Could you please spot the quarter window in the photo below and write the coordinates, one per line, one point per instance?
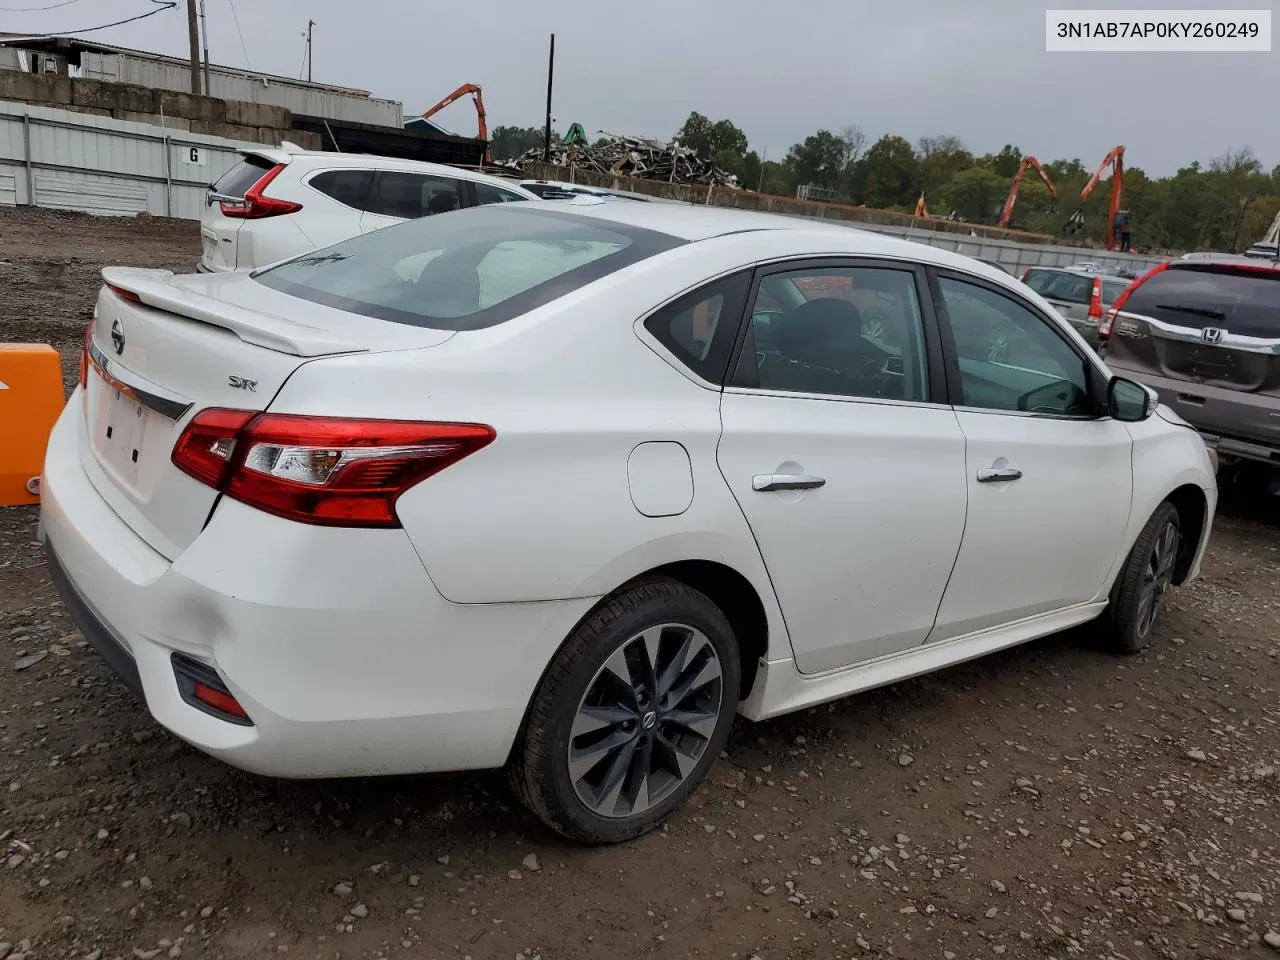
(700, 327)
(839, 331)
(1010, 358)
(348, 187)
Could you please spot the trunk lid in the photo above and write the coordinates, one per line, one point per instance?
(165, 347)
(1206, 323)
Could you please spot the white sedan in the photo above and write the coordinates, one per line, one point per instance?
(563, 488)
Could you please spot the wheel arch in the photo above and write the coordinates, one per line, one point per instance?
(1193, 514)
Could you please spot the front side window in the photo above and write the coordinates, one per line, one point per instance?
(465, 272)
(840, 331)
(1010, 358)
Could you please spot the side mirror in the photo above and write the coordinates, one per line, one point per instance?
(1129, 401)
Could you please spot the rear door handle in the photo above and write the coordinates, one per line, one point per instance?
(998, 474)
(766, 482)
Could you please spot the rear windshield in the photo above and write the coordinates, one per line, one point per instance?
(465, 270)
(1245, 302)
(242, 176)
(1067, 287)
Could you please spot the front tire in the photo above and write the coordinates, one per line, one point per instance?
(1143, 584)
(630, 715)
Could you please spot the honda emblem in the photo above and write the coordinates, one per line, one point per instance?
(1211, 334)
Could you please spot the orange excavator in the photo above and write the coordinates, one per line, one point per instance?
(1007, 211)
(478, 97)
(1117, 235)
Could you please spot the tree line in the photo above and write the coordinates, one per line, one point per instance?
(1223, 205)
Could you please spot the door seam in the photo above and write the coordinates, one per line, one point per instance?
(964, 527)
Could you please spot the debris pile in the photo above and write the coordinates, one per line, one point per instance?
(632, 157)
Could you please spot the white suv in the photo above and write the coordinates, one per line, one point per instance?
(277, 204)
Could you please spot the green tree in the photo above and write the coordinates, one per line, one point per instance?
(506, 143)
(721, 141)
(889, 174)
(973, 193)
(941, 158)
(1005, 163)
(818, 160)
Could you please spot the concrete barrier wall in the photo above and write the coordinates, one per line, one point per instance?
(1014, 249)
(171, 109)
(71, 161)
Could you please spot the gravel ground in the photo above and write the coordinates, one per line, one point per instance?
(1050, 801)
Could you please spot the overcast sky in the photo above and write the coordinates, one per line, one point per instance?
(780, 70)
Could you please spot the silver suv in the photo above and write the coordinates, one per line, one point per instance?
(1080, 294)
(1205, 334)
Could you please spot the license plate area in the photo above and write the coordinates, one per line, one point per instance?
(125, 434)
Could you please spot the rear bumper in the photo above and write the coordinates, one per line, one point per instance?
(336, 643)
(1229, 420)
(114, 653)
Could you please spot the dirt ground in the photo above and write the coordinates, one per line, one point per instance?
(1051, 801)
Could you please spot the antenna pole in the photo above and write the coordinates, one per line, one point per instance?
(310, 24)
(551, 69)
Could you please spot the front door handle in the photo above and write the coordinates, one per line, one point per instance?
(765, 482)
(998, 474)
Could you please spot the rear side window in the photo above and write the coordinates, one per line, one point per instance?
(468, 271)
(413, 195)
(348, 187)
(1245, 302)
(242, 176)
(487, 193)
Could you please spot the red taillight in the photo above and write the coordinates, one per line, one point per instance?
(321, 470)
(255, 206)
(84, 354)
(1023, 278)
(1095, 300)
(205, 448)
(124, 294)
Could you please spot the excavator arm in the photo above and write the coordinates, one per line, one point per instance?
(477, 96)
(1115, 161)
(1007, 212)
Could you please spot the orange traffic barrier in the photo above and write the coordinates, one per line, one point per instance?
(30, 401)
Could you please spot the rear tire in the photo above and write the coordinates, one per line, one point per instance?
(630, 715)
(1143, 584)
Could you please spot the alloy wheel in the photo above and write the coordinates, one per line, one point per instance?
(646, 720)
(1157, 576)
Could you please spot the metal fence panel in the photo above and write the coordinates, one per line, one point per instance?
(73, 161)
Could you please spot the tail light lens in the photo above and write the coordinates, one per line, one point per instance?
(321, 470)
(1095, 301)
(255, 206)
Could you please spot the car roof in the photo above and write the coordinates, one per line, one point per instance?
(1082, 272)
(289, 154)
(1255, 264)
(694, 222)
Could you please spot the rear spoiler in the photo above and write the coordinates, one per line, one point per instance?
(154, 289)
